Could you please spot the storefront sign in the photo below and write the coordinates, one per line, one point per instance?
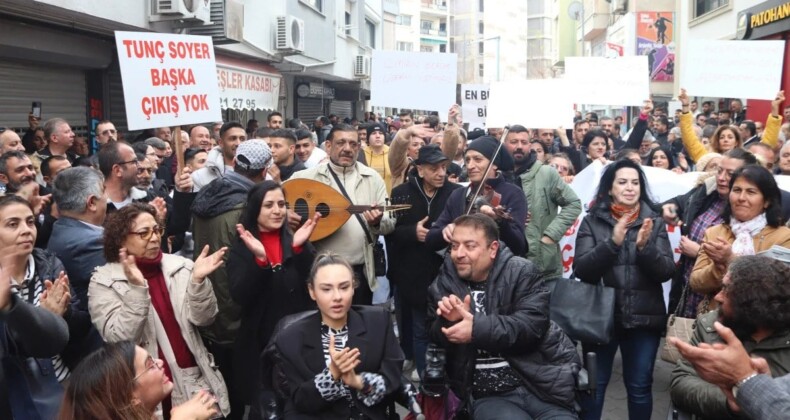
(763, 20)
(315, 90)
(247, 89)
(168, 79)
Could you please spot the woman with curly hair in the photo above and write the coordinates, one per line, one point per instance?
(121, 381)
(157, 301)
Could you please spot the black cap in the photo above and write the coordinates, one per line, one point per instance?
(430, 154)
(477, 132)
(487, 146)
(376, 127)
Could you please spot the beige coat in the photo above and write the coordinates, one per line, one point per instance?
(123, 311)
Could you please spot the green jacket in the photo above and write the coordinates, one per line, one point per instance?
(546, 192)
(692, 394)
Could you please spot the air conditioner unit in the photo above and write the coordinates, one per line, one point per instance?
(195, 11)
(619, 7)
(290, 34)
(227, 22)
(362, 66)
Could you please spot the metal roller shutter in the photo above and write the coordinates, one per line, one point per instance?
(342, 109)
(117, 105)
(308, 109)
(61, 92)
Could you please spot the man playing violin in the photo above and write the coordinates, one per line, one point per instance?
(546, 192)
(498, 199)
(362, 186)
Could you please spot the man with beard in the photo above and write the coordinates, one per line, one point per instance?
(412, 266)
(220, 158)
(545, 192)
(16, 170)
(755, 304)
(364, 186)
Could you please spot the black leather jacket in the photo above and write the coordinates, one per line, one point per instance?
(516, 326)
(636, 275)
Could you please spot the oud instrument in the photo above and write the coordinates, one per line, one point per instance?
(305, 197)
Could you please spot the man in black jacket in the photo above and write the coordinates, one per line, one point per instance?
(490, 310)
(412, 266)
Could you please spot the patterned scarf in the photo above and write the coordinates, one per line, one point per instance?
(744, 232)
(618, 212)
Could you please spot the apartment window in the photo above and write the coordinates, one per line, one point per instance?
(405, 46)
(481, 28)
(481, 48)
(317, 4)
(704, 6)
(480, 7)
(370, 28)
(442, 29)
(443, 48)
(348, 23)
(426, 26)
(426, 48)
(480, 70)
(404, 20)
(536, 7)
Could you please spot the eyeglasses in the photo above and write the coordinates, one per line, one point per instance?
(148, 233)
(150, 363)
(559, 167)
(136, 163)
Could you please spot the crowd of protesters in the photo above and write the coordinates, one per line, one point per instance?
(136, 287)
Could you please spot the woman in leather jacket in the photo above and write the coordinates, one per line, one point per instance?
(624, 243)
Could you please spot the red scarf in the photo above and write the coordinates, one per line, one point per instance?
(618, 212)
(160, 298)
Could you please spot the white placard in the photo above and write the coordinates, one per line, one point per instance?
(536, 103)
(414, 80)
(247, 89)
(733, 69)
(168, 79)
(608, 81)
(474, 101)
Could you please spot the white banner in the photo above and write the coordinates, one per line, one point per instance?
(608, 81)
(733, 69)
(168, 79)
(537, 103)
(247, 89)
(474, 100)
(414, 80)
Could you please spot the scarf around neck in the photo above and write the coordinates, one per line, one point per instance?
(744, 232)
(618, 212)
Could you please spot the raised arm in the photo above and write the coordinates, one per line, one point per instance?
(774, 122)
(691, 142)
(640, 128)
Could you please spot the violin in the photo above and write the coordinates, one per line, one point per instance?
(489, 197)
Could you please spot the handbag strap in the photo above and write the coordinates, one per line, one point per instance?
(682, 302)
(164, 344)
(368, 235)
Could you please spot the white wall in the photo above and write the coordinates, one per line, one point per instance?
(133, 13)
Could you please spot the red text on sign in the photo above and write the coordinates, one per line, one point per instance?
(182, 49)
(157, 105)
(172, 77)
(144, 49)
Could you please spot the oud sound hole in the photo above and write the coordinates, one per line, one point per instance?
(301, 208)
(322, 208)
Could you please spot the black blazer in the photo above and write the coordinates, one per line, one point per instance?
(298, 356)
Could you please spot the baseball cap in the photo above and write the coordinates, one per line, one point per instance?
(253, 154)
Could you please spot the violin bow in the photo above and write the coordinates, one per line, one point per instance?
(488, 168)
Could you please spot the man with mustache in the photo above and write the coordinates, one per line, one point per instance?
(755, 307)
(16, 170)
(364, 186)
(546, 192)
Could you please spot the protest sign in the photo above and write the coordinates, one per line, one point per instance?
(733, 69)
(538, 103)
(608, 81)
(474, 100)
(413, 80)
(167, 79)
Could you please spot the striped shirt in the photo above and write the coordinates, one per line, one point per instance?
(33, 296)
